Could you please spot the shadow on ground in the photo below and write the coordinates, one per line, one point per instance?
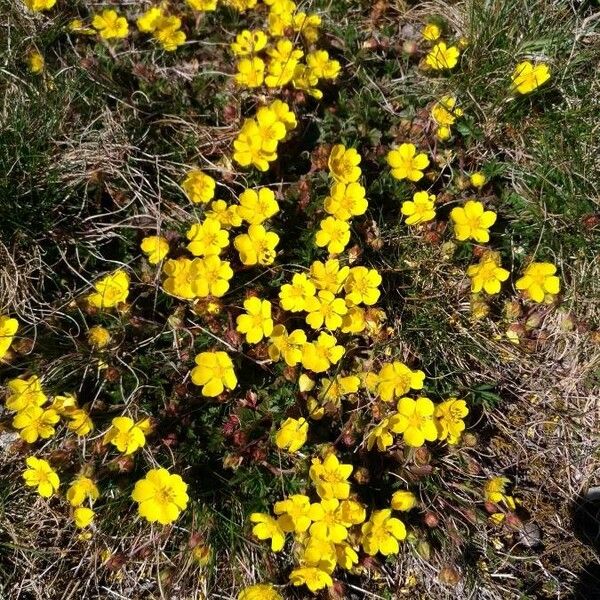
(586, 525)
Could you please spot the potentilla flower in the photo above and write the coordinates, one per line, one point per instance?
(403, 500)
(280, 73)
(127, 435)
(487, 275)
(248, 147)
(168, 33)
(155, 248)
(79, 421)
(539, 281)
(83, 517)
(330, 477)
(329, 276)
(382, 533)
(319, 355)
(148, 21)
(442, 57)
(334, 390)
(286, 345)
(396, 379)
(292, 434)
(161, 496)
(343, 164)
(111, 290)
(207, 238)
(354, 321)
(248, 42)
(204, 5)
(420, 209)
(319, 552)
(256, 323)
(304, 79)
(110, 25)
(346, 201)
(210, 276)
(381, 436)
(199, 187)
(325, 309)
(241, 5)
(307, 25)
(431, 32)
(271, 129)
(471, 221)
(34, 422)
(98, 336)
(362, 286)
(321, 65)
(8, 329)
(262, 591)
(82, 489)
(414, 420)
(267, 528)
(39, 5)
(250, 72)
(333, 234)
(227, 215)
(495, 491)
(63, 403)
(179, 278)
(24, 393)
(41, 475)
(257, 247)
(449, 419)
(478, 179)
(284, 114)
(256, 206)
(406, 163)
(527, 77)
(295, 296)
(35, 62)
(313, 578)
(296, 513)
(214, 372)
(328, 524)
(445, 112)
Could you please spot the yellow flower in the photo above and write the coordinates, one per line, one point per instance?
(445, 112)
(168, 33)
(257, 246)
(478, 179)
(241, 5)
(41, 475)
(262, 591)
(443, 133)
(258, 206)
(248, 147)
(313, 578)
(271, 130)
(494, 491)
(214, 371)
(307, 25)
(414, 420)
(352, 512)
(25, 393)
(199, 187)
(257, 322)
(79, 421)
(442, 57)
(248, 42)
(420, 209)
(155, 248)
(83, 517)
(396, 379)
(381, 436)
(333, 390)
(321, 65)
(207, 238)
(318, 356)
(39, 5)
(35, 62)
(111, 290)
(539, 280)
(403, 500)
(334, 234)
(362, 286)
(487, 275)
(431, 32)
(98, 336)
(267, 528)
(299, 294)
(289, 346)
(406, 163)
(148, 21)
(449, 418)
(346, 556)
(330, 477)
(161, 496)
(328, 275)
(329, 525)
(77, 26)
(179, 277)
(527, 77)
(250, 72)
(82, 489)
(343, 164)
(62, 404)
(127, 435)
(8, 329)
(346, 201)
(110, 25)
(472, 222)
(381, 533)
(319, 552)
(354, 321)
(35, 422)
(202, 4)
(304, 79)
(326, 310)
(284, 114)
(296, 513)
(292, 434)
(210, 276)
(228, 216)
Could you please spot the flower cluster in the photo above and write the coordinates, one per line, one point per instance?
(444, 113)
(165, 29)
